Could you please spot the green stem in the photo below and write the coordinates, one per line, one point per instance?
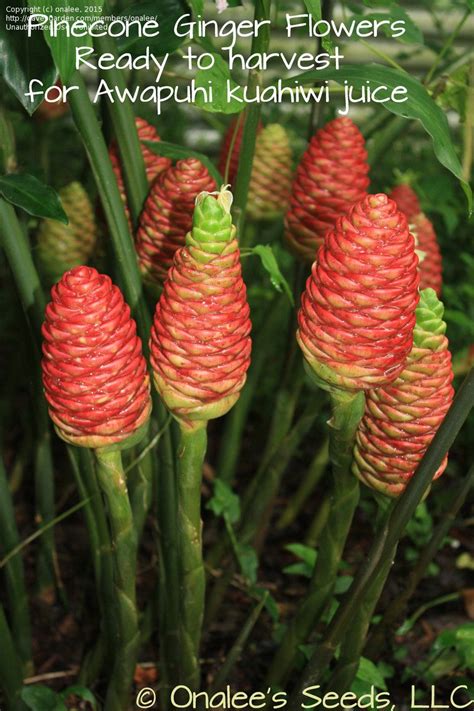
(238, 646)
(257, 508)
(125, 256)
(141, 491)
(234, 425)
(319, 521)
(15, 575)
(353, 644)
(102, 556)
(191, 453)
(169, 603)
(114, 488)
(315, 472)
(397, 607)
(17, 249)
(123, 121)
(446, 47)
(11, 678)
(347, 410)
(382, 548)
(260, 43)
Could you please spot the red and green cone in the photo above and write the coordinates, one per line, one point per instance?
(154, 164)
(357, 313)
(94, 373)
(61, 247)
(200, 343)
(226, 148)
(402, 418)
(332, 175)
(168, 216)
(431, 265)
(272, 172)
(406, 199)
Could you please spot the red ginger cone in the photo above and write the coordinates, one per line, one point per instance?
(226, 147)
(401, 419)
(200, 343)
(94, 373)
(431, 267)
(358, 311)
(270, 184)
(154, 164)
(168, 216)
(406, 199)
(331, 176)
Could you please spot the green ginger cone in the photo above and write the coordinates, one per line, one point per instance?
(62, 247)
(272, 174)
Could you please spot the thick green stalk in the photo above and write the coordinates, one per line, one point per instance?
(260, 43)
(102, 556)
(11, 678)
(347, 410)
(123, 121)
(169, 603)
(395, 610)
(237, 648)
(233, 430)
(382, 548)
(125, 256)
(315, 471)
(353, 644)
(114, 488)
(141, 491)
(17, 249)
(319, 521)
(258, 509)
(14, 574)
(192, 580)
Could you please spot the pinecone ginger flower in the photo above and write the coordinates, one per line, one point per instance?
(402, 418)
(168, 216)
(406, 199)
(94, 373)
(431, 268)
(61, 247)
(154, 164)
(270, 184)
(358, 310)
(200, 344)
(332, 176)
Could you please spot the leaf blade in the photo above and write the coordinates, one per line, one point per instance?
(33, 196)
(419, 106)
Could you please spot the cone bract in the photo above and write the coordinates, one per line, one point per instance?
(272, 173)
(200, 344)
(61, 247)
(358, 310)
(94, 373)
(406, 199)
(154, 164)
(431, 267)
(168, 216)
(402, 418)
(331, 176)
